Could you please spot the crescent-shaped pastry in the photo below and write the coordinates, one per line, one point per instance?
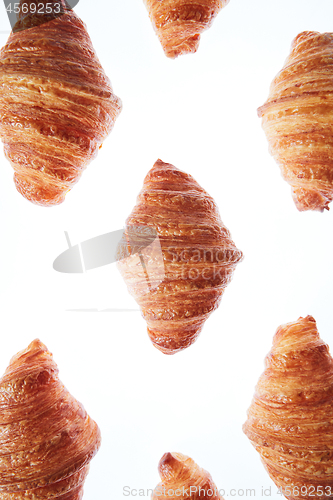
(179, 23)
(46, 437)
(290, 419)
(183, 478)
(56, 103)
(298, 120)
(198, 257)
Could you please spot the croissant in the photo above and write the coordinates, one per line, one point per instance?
(290, 419)
(179, 23)
(46, 437)
(297, 120)
(183, 478)
(198, 257)
(56, 103)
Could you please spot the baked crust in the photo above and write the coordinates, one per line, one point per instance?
(46, 437)
(179, 23)
(290, 418)
(181, 475)
(297, 120)
(56, 105)
(199, 257)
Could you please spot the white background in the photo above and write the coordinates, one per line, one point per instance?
(199, 113)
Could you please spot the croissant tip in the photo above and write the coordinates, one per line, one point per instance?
(186, 46)
(171, 464)
(163, 165)
(164, 171)
(37, 344)
(165, 350)
(160, 163)
(178, 470)
(165, 465)
(310, 199)
(166, 458)
(176, 339)
(36, 349)
(301, 320)
(308, 318)
(290, 336)
(306, 35)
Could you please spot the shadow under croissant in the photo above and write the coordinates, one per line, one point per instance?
(181, 474)
(189, 271)
(47, 439)
(56, 102)
(290, 418)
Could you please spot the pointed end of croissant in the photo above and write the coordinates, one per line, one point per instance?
(310, 39)
(180, 46)
(170, 177)
(308, 199)
(34, 189)
(34, 349)
(37, 345)
(36, 355)
(260, 111)
(181, 471)
(165, 174)
(159, 164)
(296, 335)
(174, 338)
(171, 465)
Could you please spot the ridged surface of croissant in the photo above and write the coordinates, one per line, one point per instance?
(199, 257)
(297, 120)
(290, 418)
(183, 478)
(46, 437)
(56, 104)
(179, 23)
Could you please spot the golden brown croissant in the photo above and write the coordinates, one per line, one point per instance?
(290, 418)
(183, 478)
(198, 257)
(46, 437)
(179, 23)
(56, 103)
(297, 120)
